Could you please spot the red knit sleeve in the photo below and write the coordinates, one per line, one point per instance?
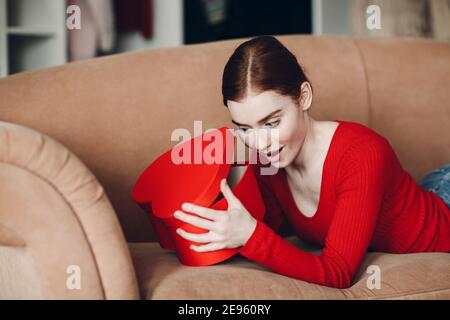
(359, 187)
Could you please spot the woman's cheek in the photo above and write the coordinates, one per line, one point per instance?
(291, 137)
(286, 133)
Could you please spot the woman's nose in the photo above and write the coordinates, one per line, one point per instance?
(260, 140)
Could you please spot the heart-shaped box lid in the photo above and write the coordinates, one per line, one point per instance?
(189, 172)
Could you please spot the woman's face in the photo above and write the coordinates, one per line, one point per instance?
(273, 124)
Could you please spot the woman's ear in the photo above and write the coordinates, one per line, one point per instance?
(305, 99)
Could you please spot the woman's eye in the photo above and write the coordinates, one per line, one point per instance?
(273, 124)
(243, 129)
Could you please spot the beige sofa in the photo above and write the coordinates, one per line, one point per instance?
(74, 139)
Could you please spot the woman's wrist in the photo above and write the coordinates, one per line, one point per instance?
(250, 230)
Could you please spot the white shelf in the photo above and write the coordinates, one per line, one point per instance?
(34, 12)
(32, 35)
(4, 70)
(32, 31)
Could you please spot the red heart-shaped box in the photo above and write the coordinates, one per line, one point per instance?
(167, 183)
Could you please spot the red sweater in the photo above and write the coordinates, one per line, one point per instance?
(368, 202)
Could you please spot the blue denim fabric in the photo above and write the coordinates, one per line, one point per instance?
(438, 182)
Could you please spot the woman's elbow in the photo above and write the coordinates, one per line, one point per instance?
(340, 280)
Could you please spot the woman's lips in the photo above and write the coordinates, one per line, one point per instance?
(273, 154)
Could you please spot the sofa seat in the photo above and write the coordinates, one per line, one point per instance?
(408, 276)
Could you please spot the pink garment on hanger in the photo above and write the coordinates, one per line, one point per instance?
(97, 29)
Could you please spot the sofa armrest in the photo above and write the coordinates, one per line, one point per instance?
(58, 228)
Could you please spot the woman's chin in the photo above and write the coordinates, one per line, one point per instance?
(281, 160)
(281, 165)
(278, 163)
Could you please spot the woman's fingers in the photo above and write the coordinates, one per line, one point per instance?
(213, 246)
(205, 212)
(196, 221)
(197, 237)
(228, 194)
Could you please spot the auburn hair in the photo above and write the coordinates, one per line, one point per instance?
(260, 64)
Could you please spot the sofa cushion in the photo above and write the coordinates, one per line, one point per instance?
(403, 276)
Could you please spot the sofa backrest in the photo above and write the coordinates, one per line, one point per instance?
(117, 112)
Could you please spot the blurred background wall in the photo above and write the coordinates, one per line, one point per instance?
(35, 34)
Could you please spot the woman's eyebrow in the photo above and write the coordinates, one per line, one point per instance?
(260, 121)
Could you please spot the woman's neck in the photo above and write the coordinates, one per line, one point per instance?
(312, 147)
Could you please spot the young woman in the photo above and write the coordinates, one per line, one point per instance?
(339, 183)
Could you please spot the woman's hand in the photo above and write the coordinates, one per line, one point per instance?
(227, 229)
